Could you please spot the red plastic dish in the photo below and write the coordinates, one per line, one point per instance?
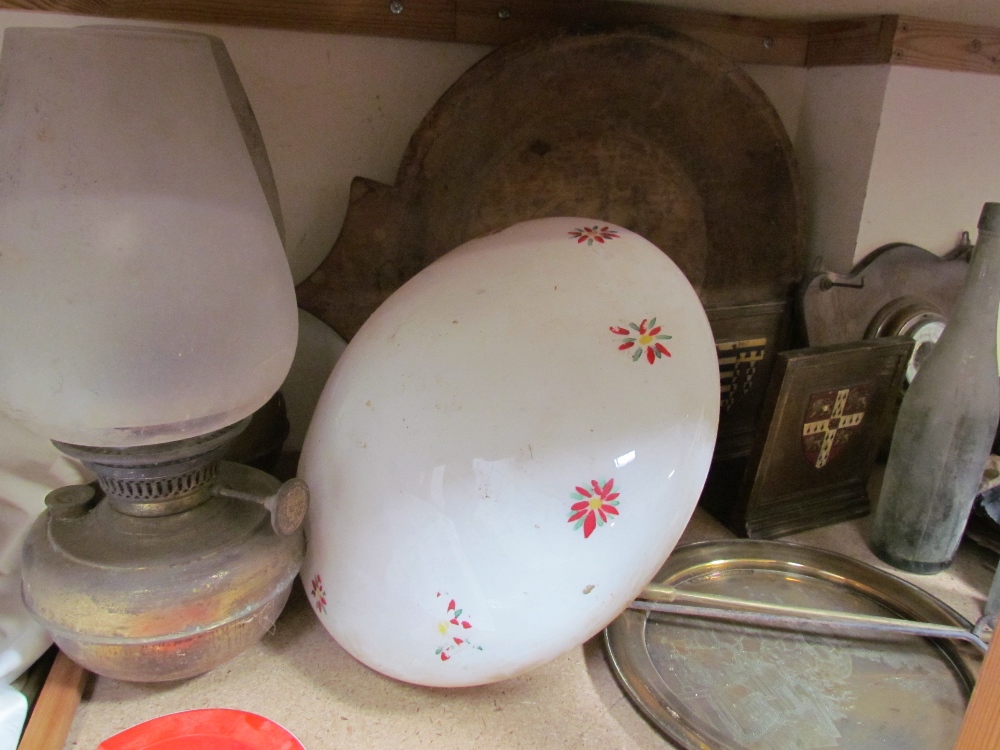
(205, 729)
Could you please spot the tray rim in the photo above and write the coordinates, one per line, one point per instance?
(628, 630)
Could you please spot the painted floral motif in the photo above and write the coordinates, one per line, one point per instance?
(593, 234)
(318, 594)
(455, 629)
(646, 336)
(594, 506)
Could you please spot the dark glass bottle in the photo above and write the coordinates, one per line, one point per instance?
(946, 425)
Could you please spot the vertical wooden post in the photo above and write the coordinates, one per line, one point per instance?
(981, 727)
(53, 714)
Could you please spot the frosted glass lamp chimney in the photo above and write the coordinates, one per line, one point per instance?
(146, 295)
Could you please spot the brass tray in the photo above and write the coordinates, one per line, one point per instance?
(711, 685)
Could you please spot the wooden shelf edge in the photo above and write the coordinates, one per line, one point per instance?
(488, 22)
(741, 38)
(432, 20)
(868, 40)
(948, 46)
(904, 40)
(852, 41)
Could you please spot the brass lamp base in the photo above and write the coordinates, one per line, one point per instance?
(174, 563)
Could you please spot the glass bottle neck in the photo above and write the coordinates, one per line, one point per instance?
(981, 294)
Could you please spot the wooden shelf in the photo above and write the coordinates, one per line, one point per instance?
(743, 39)
(950, 46)
(418, 19)
(904, 40)
(854, 41)
(871, 40)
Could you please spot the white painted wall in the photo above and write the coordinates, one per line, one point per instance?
(333, 107)
(896, 154)
(840, 117)
(936, 159)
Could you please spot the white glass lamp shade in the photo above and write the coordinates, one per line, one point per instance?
(507, 451)
(146, 294)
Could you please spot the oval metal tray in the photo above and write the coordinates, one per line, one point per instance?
(711, 685)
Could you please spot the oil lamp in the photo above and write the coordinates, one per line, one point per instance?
(148, 311)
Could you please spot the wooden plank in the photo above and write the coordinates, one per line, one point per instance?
(742, 39)
(419, 19)
(854, 41)
(491, 22)
(904, 40)
(53, 714)
(981, 726)
(949, 46)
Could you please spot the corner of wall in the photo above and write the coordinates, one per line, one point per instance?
(835, 144)
(936, 159)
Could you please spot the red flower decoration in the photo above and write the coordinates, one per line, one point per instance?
(593, 234)
(454, 615)
(594, 506)
(645, 336)
(318, 593)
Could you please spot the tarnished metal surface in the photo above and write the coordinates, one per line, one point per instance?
(159, 594)
(728, 686)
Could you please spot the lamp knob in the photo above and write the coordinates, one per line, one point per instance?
(288, 506)
(72, 501)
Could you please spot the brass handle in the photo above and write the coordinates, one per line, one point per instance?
(659, 598)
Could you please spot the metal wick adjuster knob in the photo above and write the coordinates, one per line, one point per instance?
(287, 505)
